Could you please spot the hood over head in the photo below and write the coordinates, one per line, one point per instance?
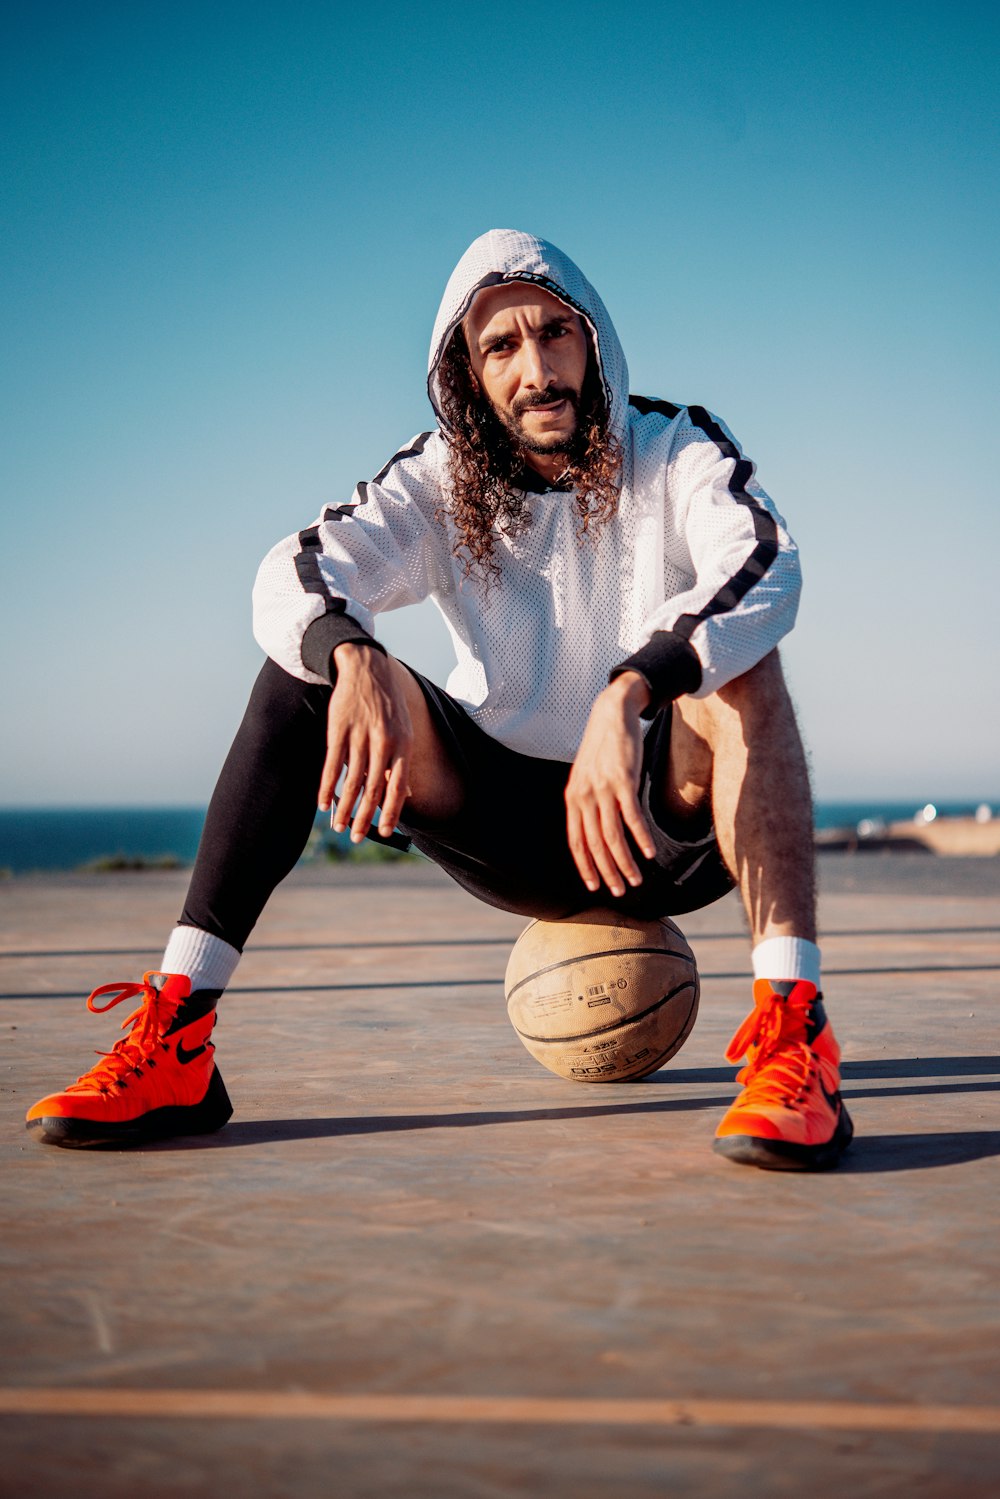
(505, 255)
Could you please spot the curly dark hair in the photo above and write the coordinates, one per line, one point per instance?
(486, 466)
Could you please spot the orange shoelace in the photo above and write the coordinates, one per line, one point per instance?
(128, 1054)
(780, 1064)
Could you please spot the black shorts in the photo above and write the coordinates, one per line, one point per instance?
(508, 844)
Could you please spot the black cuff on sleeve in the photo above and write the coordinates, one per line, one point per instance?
(668, 665)
(324, 635)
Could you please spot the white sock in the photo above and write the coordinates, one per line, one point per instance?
(206, 960)
(786, 958)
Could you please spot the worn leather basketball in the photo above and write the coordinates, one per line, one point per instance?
(601, 997)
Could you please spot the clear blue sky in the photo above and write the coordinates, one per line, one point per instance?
(229, 228)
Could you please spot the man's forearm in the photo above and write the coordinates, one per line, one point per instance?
(632, 689)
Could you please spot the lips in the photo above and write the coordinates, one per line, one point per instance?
(547, 403)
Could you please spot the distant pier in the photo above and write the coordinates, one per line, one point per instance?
(966, 837)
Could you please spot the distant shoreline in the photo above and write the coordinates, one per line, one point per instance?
(109, 839)
(951, 837)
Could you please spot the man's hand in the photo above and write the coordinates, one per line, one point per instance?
(369, 733)
(601, 794)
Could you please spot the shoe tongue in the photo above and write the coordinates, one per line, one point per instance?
(784, 1023)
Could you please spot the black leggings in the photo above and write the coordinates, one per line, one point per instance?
(264, 806)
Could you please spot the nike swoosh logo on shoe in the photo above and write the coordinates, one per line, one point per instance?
(184, 1056)
(833, 1099)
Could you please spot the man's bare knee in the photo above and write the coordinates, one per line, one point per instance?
(435, 788)
(757, 688)
(712, 727)
(689, 774)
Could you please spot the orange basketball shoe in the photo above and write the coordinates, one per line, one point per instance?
(790, 1116)
(159, 1080)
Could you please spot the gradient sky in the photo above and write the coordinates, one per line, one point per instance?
(229, 227)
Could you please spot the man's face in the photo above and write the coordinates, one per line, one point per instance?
(529, 356)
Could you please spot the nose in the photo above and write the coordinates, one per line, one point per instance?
(536, 369)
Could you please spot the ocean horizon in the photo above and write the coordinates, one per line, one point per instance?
(50, 839)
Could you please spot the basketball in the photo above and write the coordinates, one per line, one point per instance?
(602, 997)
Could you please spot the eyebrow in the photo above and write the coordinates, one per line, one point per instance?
(558, 320)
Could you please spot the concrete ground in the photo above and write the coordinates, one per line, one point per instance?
(417, 1264)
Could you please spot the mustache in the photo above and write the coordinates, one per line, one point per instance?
(543, 398)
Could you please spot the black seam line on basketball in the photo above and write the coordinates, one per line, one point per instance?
(675, 1045)
(646, 404)
(611, 952)
(612, 1024)
(765, 530)
(668, 1051)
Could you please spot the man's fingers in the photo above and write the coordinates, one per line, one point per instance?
(354, 779)
(374, 783)
(617, 814)
(609, 813)
(328, 781)
(597, 839)
(637, 825)
(578, 848)
(396, 791)
(336, 754)
(599, 850)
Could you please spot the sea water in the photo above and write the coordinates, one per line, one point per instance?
(70, 838)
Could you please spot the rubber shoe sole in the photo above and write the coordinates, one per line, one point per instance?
(785, 1155)
(202, 1118)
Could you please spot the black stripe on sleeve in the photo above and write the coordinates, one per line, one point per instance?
(645, 404)
(311, 548)
(307, 567)
(765, 530)
(334, 626)
(417, 446)
(339, 512)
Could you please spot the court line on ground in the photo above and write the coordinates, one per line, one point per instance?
(376, 944)
(513, 1410)
(369, 985)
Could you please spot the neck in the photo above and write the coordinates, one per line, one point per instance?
(551, 466)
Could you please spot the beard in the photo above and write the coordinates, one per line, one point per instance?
(558, 442)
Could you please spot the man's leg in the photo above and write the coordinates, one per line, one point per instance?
(739, 750)
(264, 804)
(161, 1079)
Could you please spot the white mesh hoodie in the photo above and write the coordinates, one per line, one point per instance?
(691, 583)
